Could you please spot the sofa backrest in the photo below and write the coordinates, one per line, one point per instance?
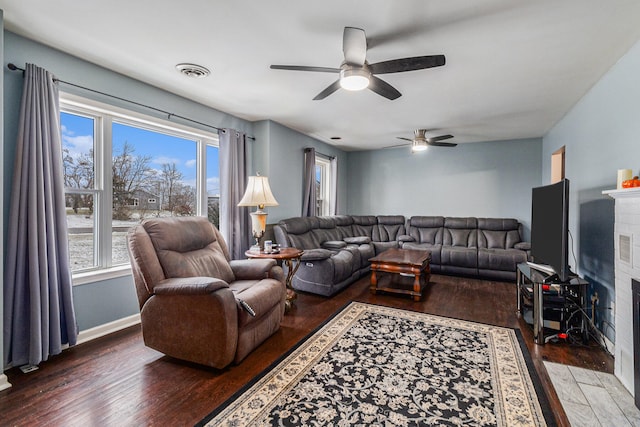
(296, 232)
(426, 229)
(460, 232)
(325, 230)
(388, 228)
(363, 225)
(499, 233)
(344, 225)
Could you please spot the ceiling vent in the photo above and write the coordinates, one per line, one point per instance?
(193, 70)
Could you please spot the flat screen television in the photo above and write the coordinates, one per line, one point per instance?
(550, 227)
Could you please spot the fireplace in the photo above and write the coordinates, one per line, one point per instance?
(627, 291)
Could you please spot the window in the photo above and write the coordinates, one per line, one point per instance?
(121, 167)
(323, 186)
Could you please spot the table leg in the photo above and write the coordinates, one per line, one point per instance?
(538, 313)
(292, 266)
(417, 294)
(374, 282)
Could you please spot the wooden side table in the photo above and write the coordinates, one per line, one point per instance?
(291, 257)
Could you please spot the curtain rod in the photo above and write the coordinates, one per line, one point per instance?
(320, 154)
(14, 67)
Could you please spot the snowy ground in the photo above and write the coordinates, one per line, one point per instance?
(81, 240)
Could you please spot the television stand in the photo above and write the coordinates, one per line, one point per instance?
(550, 303)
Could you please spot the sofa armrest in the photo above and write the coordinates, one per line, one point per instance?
(189, 286)
(252, 268)
(334, 244)
(316, 254)
(524, 246)
(358, 240)
(405, 238)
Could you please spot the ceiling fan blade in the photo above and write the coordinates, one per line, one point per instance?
(407, 64)
(441, 144)
(354, 46)
(405, 139)
(396, 146)
(383, 88)
(305, 68)
(328, 91)
(439, 138)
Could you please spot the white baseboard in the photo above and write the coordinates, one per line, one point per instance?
(107, 328)
(4, 382)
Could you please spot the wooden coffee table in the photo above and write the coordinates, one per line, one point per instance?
(401, 263)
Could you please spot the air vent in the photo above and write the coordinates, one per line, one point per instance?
(624, 245)
(193, 70)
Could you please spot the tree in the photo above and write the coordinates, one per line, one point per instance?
(78, 174)
(130, 174)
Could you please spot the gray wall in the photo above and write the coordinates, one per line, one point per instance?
(279, 154)
(601, 135)
(489, 179)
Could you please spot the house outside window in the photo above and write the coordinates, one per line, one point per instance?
(121, 167)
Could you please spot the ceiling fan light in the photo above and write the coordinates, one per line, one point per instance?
(354, 79)
(418, 145)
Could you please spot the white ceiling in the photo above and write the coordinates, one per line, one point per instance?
(514, 67)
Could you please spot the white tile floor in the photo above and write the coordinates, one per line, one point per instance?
(591, 398)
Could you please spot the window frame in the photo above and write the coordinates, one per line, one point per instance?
(323, 196)
(104, 115)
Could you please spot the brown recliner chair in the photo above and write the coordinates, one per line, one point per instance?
(195, 303)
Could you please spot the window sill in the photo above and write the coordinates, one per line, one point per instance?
(99, 275)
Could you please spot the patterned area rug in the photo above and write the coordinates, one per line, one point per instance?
(373, 365)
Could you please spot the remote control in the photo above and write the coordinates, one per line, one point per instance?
(247, 307)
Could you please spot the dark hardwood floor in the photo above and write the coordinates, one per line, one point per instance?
(117, 381)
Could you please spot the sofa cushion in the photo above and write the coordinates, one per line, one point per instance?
(500, 259)
(460, 232)
(358, 240)
(496, 233)
(363, 225)
(389, 228)
(459, 256)
(334, 244)
(316, 254)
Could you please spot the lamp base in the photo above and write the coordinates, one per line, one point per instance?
(254, 249)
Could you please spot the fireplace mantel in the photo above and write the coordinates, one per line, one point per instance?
(625, 192)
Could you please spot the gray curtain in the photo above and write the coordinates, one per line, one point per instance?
(333, 199)
(234, 221)
(309, 199)
(38, 302)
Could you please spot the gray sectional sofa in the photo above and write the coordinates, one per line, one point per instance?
(337, 249)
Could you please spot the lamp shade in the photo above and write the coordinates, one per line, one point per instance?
(258, 193)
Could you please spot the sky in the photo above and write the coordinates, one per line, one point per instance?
(77, 137)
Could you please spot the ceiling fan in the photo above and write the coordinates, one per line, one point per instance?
(420, 142)
(357, 74)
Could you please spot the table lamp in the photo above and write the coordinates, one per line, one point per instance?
(258, 194)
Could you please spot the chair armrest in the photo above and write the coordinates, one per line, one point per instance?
(189, 286)
(252, 268)
(405, 238)
(316, 254)
(334, 244)
(358, 240)
(524, 246)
